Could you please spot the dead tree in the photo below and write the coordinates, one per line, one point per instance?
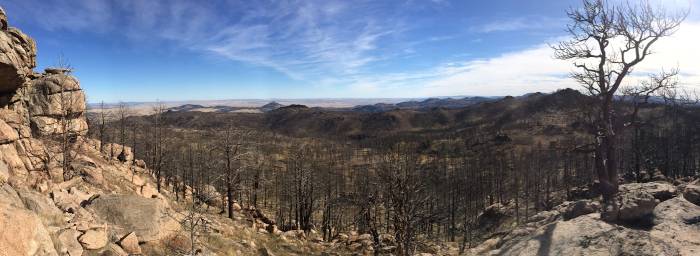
(404, 186)
(122, 114)
(70, 109)
(232, 153)
(157, 137)
(607, 41)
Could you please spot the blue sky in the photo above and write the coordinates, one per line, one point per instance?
(138, 50)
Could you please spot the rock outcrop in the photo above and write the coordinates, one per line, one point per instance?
(673, 230)
(23, 232)
(692, 193)
(150, 218)
(17, 56)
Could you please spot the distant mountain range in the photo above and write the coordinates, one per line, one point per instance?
(425, 104)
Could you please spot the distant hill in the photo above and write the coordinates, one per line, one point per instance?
(545, 114)
(425, 104)
(535, 118)
(271, 106)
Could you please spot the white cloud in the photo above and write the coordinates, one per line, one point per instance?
(532, 69)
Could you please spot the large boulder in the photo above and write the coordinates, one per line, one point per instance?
(635, 205)
(585, 235)
(211, 196)
(22, 232)
(635, 202)
(491, 216)
(572, 210)
(659, 190)
(150, 218)
(677, 222)
(692, 193)
(67, 242)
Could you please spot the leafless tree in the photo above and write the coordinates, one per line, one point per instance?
(232, 150)
(608, 41)
(404, 186)
(158, 140)
(122, 114)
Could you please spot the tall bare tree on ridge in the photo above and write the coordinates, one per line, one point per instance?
(607, 41)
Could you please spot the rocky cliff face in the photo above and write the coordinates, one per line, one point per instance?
(34, 108)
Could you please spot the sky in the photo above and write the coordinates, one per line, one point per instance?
(174, 50)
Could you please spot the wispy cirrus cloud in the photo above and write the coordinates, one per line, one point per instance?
(302, 39)
(519, 24)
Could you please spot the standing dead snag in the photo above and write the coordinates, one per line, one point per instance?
(158, 138)
(608, 41)
(232, 154)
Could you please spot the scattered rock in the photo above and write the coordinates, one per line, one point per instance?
(543, 217)
(113, 250)
(272, 229)
(263, 251)
(491, 216)
(578, 208)
(94, 239)
(692, 194)
(148, 191)
(364, 237)
(355, 247)
(130, 244)
(140, 163)
(67, 243)
(294, 234)
(69, 200)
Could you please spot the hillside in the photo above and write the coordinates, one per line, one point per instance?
(539, 114)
